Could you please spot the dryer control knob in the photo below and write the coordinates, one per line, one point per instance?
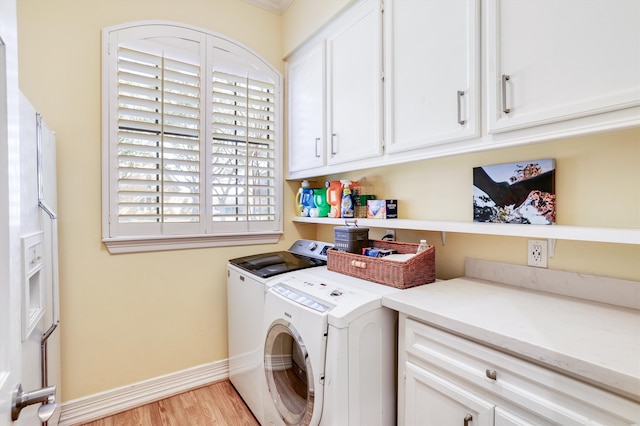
(312, 246)
(336, 293)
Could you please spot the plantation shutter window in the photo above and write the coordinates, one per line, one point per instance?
(243, 144)
(158, 138)
(192, 139)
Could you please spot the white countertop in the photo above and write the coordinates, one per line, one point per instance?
(596, 342)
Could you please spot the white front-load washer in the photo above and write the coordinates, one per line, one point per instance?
(329, 351)
(247, 280)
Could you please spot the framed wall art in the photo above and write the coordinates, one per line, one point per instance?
(522, 192)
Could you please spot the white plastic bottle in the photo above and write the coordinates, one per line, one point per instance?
(422, 246)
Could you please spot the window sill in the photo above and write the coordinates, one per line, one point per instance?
(141, 244)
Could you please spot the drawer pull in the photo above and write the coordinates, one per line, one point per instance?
(505, 78)
(460, 95)
(491, 374)
(468, 418)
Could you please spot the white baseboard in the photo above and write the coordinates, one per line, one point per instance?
(102, 404)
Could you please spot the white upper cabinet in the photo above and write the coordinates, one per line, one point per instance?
(554, 60)
(354, 85)
(432, 72)
(334, 94)
(306, 109)
(459, 76)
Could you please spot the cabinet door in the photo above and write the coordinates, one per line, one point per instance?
(431, 400)
(552, 60)
(506, 418)
(306, 107)
(354, 55)
(431, 72)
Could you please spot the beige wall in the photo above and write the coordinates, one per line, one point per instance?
(596, 185)
(305, 17)
(127, 318)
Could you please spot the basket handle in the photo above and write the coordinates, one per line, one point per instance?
(359, 264)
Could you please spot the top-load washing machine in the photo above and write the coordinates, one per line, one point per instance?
(329, 351)
(246, 280)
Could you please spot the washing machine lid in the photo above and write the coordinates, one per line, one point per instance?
(301, 255)
(341, 303)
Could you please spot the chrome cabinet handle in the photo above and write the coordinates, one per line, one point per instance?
(505, 78)
(491, 374)
(460, 95)
(468, 418)
(333, 143)
(317, 141)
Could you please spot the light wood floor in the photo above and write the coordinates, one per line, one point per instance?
(215, 404)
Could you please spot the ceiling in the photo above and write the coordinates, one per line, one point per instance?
(275, 6)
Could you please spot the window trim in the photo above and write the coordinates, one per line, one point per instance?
(157, 242)
(118, 245)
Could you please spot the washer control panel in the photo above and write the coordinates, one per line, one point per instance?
(301, 298)
(320, 295)
(311, 248)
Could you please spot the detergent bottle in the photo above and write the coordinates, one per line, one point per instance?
(334, 197)
(320, 199)
(347, 207)
(304, 199)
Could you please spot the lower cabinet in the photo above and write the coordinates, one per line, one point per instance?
(431, 399)
(448, 380)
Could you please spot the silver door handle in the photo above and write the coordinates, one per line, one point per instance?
(333, 143)
(460, 95)
(505, 78)
(468, 418)
(21, 399)
(317, 141)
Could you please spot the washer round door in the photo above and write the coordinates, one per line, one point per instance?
(289, 375)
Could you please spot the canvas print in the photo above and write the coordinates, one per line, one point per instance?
(522, 192)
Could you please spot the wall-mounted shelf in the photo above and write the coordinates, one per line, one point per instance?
(550, 232)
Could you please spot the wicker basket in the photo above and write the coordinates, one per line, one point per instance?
(419, 270)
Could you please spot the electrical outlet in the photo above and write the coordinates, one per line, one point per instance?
(537, 253)
(391, 233)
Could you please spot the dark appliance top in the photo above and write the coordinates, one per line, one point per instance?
(302, 254)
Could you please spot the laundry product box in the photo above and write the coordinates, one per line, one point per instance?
(382, 209)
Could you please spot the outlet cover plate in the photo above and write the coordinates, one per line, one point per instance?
(537, 253)
(392, 233)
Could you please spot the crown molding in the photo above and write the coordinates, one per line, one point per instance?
(275, 6)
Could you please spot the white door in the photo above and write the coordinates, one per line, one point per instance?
(20, 345)
(432, 72)
(10, 328)
(306, 94)
(431, 400)
(552, 60)
(354, 55)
